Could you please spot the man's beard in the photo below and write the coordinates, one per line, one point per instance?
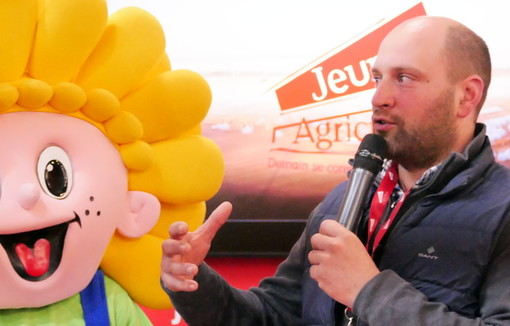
(423, 146)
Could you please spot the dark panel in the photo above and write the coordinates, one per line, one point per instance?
(256, 238)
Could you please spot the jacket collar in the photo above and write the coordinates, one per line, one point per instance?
(461, 168)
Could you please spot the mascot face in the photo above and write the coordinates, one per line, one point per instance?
(100, 150)
(63, 193)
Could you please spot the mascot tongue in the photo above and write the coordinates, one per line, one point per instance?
(35, 261)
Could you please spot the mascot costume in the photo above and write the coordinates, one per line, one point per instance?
(100, 151)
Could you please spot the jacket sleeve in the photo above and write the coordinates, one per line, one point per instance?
(389, 300)
(277, 300)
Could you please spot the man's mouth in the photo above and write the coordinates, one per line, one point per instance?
(382, 125)
(35, 255)
(380, 121)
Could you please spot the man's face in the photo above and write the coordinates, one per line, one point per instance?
(63, 191)
(413, 106)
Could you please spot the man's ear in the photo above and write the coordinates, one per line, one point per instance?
(471, 95)
(144, 211)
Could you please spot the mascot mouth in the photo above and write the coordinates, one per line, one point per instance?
(35, 255)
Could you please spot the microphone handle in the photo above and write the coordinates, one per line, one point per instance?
(349, 213)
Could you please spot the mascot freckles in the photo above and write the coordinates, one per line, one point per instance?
(100, 151)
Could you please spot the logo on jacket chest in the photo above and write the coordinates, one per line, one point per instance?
(429, 254)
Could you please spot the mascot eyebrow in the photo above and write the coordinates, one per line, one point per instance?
(71, 58)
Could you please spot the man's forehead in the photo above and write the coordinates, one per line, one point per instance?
(424, 31)
(409, 49)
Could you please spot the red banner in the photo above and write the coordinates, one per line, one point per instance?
(346, 72)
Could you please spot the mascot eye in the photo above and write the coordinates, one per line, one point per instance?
(54, 172)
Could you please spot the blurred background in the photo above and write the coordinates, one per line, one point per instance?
(286, 138)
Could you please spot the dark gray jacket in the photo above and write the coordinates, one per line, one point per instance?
(445, 261)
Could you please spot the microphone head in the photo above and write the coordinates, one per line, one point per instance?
(371, 153)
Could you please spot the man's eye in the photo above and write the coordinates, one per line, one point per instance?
(403, 78)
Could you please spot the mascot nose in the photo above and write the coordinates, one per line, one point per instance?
(28, 195)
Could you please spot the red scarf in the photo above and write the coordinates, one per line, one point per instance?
(379, 202)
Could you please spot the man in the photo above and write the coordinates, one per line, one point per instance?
(435, 240)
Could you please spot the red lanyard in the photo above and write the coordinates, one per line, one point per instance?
(379, 202)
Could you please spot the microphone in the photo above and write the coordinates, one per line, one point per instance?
(368, 162)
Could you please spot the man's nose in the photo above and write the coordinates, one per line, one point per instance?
(28, 195)
(384, 96)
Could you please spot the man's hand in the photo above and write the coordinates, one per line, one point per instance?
(185, 250)
(340, 263)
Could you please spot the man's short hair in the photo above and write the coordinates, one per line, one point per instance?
(467, 54)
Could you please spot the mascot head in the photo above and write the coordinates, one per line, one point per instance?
(100, 150)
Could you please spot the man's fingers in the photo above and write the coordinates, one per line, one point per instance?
(320, 241)
(215, 221)
(331, 234)
(178, 229)
(185, 270)
(331, 228)
(173, 247)
(316, 256)
(184, 247)
(178, 284)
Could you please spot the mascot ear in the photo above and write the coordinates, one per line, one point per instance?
(143, 215)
